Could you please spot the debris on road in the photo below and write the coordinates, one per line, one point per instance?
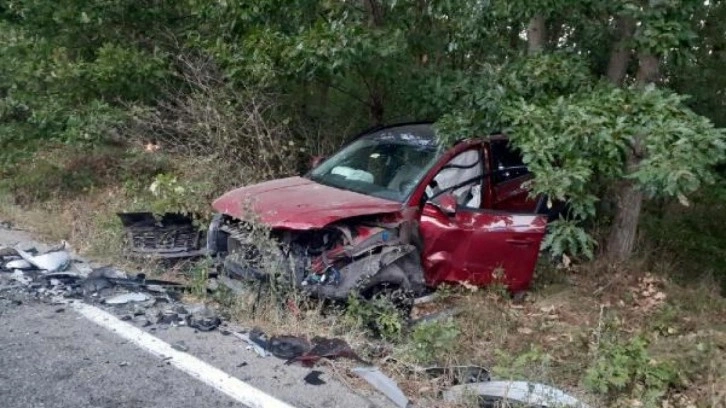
(203, 319)
(298, 349)
(125, 298)
(20, 277)
(313, 378)
(326, 348)
(169, 235)
(253, 345)
(57, 259)
(180, 346)
(383, 383)
(523, 392)
(50, 261)
(18, 264)
(289, 347)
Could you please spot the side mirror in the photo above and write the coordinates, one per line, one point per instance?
(316, 160)
(447, 203)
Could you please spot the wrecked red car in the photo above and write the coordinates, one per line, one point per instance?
(393, 209)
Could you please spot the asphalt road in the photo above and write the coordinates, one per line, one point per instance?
(51, 356)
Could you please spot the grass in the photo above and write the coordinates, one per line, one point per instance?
(607, 334)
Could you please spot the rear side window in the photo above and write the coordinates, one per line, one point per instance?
(506, 162)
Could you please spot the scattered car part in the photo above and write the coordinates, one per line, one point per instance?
(51, 261)
(20, 277)
(91, 286)
(313, 378)
(326, 348)
(169, 235)
(204, 319)
(18, 264)
(523, 392)
(288, 347)
(125, 298)
(467, 374)
(384, 384)
(260, 350)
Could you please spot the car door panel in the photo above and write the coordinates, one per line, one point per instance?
(477, 246)
(444, 251)
(504, 247)
(513, 196)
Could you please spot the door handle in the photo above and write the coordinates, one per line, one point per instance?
(520, 242)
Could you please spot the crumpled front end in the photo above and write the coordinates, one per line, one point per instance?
(329, 263)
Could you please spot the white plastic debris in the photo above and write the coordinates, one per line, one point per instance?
(383, 383)
(252, 345)
(18, 264)
(127, 298)
(19, 276)
(515, 391)
(51, 261)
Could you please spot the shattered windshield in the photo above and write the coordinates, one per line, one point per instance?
(388, 163)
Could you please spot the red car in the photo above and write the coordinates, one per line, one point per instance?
(393, 209)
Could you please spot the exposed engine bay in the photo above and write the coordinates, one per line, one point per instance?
(354, 254)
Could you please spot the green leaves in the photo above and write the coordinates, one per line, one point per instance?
(575, 134)
(628, 366)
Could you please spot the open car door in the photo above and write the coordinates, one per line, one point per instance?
(462, 242)
(480, 247)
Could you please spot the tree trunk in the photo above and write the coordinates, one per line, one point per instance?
(375, 12)
(375, 89)
(629, 198)
(620, 55)
(617, 69)
(536, 34)
(648, 71)
(623, 232)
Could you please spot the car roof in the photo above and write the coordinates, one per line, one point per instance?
(378, 128)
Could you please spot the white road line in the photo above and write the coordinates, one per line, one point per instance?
(218, 379)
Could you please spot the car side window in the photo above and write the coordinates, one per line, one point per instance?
(461, 176)
(507, 162)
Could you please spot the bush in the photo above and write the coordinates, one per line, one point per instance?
(379, 316)
(61, 172)
(627, 367)
(209, 118)
(432, 341)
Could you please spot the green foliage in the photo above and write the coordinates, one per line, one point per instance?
(63, 171)
(568, 237)
(433, 341)
(628, 367)
(169, 194)
(199, 274)
(379, 316)
(532, 364)
(578, 143)
(256, 84)
(693, 237)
